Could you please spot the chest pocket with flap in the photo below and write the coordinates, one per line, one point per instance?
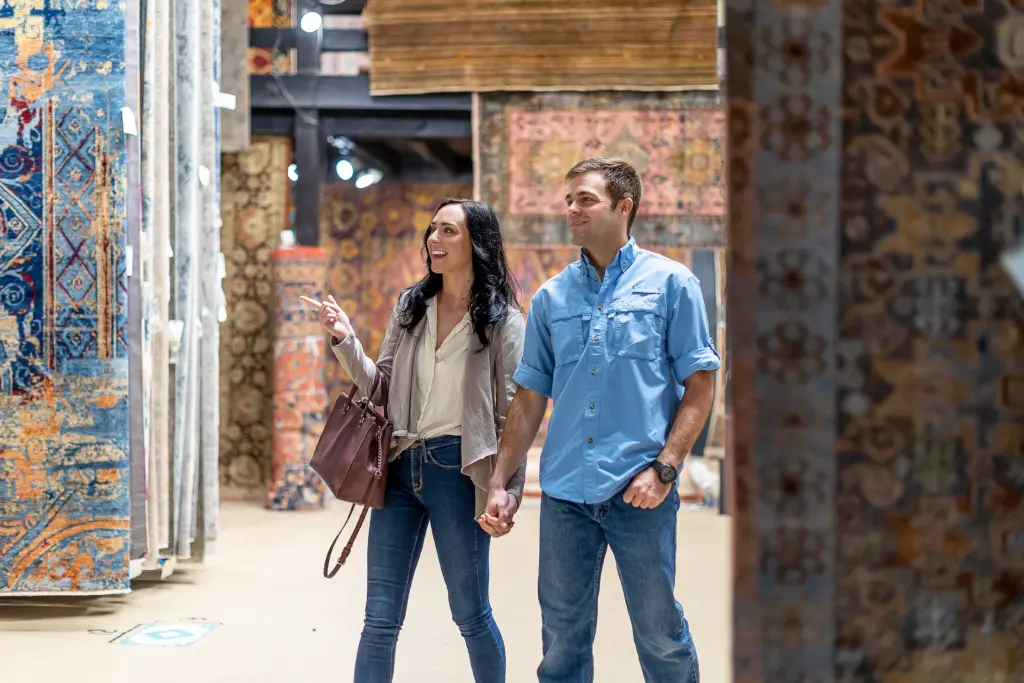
(640, 325)
(568, 332)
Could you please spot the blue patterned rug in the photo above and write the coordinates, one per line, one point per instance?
(64, 469)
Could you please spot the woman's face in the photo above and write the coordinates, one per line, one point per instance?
(448, 241)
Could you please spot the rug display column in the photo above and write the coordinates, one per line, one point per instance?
(300, 395)
(235, 133)
(156, 233)
(136, 331)
(64, 418)
(211, 269)
(187, 229)
(878, 373)
(255, 204)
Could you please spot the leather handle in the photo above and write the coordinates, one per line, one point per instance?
(329, 573)
(369, 395)
(384, 399)
(352, 539)
(376, 383)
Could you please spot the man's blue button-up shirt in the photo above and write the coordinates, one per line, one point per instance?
(613, 355)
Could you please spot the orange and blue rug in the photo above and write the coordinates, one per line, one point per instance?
(64, 465)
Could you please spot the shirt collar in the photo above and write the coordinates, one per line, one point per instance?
(620, 264)
(430, 319)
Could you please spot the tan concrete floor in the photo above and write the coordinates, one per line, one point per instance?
(282, 622)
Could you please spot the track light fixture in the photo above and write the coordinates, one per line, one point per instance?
(311, 22)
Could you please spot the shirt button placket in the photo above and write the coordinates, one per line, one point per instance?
(597, 357)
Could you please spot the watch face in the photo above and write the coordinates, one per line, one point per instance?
(666, 473)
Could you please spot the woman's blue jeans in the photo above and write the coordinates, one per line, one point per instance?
(425, 485)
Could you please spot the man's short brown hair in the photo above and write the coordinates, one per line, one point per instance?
(621, 179)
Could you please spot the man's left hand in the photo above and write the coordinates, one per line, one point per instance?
(646, 491)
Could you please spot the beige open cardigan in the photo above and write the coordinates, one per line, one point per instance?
(488, 392)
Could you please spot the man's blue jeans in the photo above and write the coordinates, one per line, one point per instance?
(573, 542)
(425, 485)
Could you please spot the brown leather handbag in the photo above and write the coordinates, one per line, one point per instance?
(352, 459)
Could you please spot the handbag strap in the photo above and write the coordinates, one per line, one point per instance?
(329, 573)
(383, 398)
(373, 389)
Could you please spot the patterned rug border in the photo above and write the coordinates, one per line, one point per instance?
(491, 163)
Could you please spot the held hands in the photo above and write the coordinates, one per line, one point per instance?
(497, 518)
(646, 491)
(332, 318)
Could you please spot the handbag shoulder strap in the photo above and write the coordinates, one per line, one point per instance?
(373, 388)
(371, 392)
(383, 398)
(329, 573)
(376, 382)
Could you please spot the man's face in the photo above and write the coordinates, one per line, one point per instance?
(592, 217)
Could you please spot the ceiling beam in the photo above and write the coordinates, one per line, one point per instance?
(420, 125)
(344, 7)
(312, 91)
(272, 123)
(334, 39)
(370, 126)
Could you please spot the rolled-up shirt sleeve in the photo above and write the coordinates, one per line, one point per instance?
(536, 370)
(690, 345)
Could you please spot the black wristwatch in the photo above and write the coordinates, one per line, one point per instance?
(666, 473)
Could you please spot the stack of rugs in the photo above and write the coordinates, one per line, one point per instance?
(109, 393)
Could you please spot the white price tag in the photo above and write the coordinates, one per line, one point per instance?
(204, 176)
(129, 258)
(175, 329)
(225, 100)
(128, 121)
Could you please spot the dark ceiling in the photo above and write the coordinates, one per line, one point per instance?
(405, 137)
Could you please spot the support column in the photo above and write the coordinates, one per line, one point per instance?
(309, 139)
(877, 391)
(300, 394)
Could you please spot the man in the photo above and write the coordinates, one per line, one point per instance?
(620, 341)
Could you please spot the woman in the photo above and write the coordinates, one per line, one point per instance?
(446, 364)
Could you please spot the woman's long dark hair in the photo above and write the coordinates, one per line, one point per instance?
(494, 287)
